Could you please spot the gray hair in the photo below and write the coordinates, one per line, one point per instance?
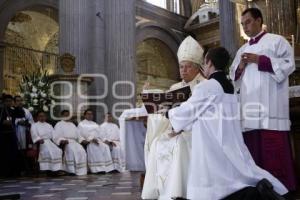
(195, 65)
(198, 66)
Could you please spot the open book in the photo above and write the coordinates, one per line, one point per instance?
(157, 100)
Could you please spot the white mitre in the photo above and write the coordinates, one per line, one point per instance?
(190, 50)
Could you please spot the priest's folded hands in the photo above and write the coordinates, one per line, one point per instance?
(173, 133)
(249, 58)
(110, 143)
(95, 141)
(64, 142)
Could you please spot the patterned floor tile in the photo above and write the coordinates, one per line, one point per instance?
(121, 186)
(26, 182)
(68, 184)
(10, 186)
(42, 195)
(86, 191)
(121, 193)
(76, 198)
(33, 187)
(91, 186)
(47, 183)
(58, 189)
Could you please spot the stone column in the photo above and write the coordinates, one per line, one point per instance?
(120, 52)
(170, 5)
(75, 30)
(2, 63)
(82, 34)
(228, 31)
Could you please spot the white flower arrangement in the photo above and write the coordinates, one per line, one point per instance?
(35, 89)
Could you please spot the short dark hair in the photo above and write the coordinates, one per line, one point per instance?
(7, 96)
(255, 13)
(87, 110)
(39, 112)
(219, 57)
(17, 96)
(64, 111)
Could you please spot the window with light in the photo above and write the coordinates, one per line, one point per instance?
(171, 5)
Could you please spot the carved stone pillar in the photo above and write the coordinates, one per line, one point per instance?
(170, 5)
(82, 34)
(2, 48)
(75, 29)
(228, 27)
(120, 53)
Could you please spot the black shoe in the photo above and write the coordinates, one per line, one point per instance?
(71, 174)
(114, 172)
(265, 189)
(289, 196)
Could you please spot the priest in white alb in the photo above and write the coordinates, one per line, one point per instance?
(221, 165)
(260, 71)
(67, 135)
(168, 155)
(50, 155)
(98, 153)
(110, 135)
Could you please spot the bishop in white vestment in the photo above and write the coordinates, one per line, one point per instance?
(220, 161)
(98, 153)
(110, 134)
(168, 156)
(67, 134)
(50, 155)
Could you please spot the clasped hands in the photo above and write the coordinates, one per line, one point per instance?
(85, 142)
(248, 58)
(173, 133)
(110, 143)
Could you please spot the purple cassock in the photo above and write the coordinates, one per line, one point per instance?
(271, 150)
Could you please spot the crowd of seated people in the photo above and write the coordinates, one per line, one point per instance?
(26, 141)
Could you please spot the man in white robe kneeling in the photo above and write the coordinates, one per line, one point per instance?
(221, 165)
(50, 155)
(110, 134)
(67, 135)
(167, 156)
(98, 153)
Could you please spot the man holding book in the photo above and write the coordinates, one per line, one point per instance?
(167, 154)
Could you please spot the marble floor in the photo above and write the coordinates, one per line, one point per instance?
(118, 186)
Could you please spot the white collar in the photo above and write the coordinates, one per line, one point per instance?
(261, 32)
